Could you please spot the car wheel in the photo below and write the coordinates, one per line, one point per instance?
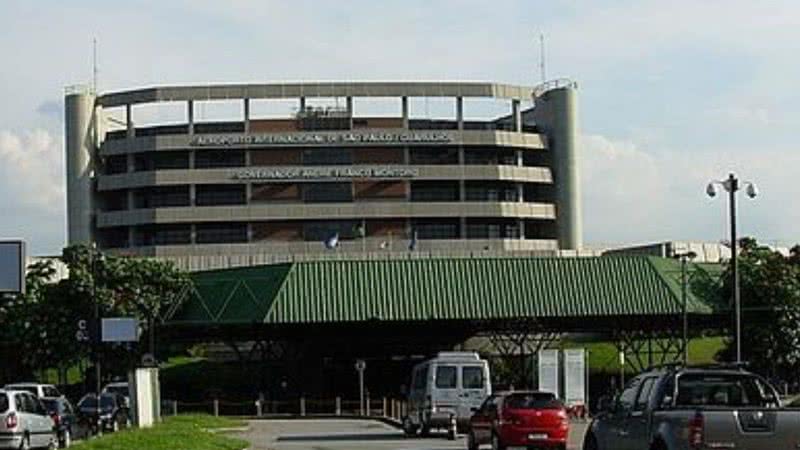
(425, 431)
(590, 442)
(496, 443)
(66, 439)
(472, 443)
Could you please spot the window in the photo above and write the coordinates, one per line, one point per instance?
(321, 231)
(221, 233)
(472, 377)
(433, 155)
(437, 230)
(115, 164)
(710, 389)
(627, 397)
(19, 400)
(220, 194)
(161, 161)
(327, 157)
(3, 403)
(644, 394)
(328, 192)
(163, 235)
(489, 404)
(434, 192)
(420, 378)
(161, 197)
(50, 391)
(446, 377)
(209, 159)
(532, 401)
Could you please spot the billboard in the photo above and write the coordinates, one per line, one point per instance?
(548, 371)
(12, 267)
(575, 376)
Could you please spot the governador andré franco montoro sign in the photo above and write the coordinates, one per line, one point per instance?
(404, 137)
(325, 172)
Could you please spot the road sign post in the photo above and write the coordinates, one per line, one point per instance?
(361, 365)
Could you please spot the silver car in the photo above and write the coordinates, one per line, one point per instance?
(24, 423)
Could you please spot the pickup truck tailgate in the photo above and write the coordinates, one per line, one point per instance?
(752, 429)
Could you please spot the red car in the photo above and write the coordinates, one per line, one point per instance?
(529, 419)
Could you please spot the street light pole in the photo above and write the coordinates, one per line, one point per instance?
(732, 185)
(685, 257)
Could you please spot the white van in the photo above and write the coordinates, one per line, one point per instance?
(444, 390)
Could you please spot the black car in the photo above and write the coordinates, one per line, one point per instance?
(65, 420)
(113, 412)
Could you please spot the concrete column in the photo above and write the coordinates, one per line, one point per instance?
(302, 104)
(129, 120)
(192, 194)
(193, 232)
(247, 115)
(248, 192)
(462, 225)
(130, 200)
(406, 155)
(80, 148)
(520, 192)
(190, 116)
(520, 158)
(460, 112)
(404, 103)
(131, 237)
(521, 226)
(192, 157)
(556, 113)
(516, 115)
(350, 111)
(249, 232)
(130, 162)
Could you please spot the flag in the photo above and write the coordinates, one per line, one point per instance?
(412, 244)
(332, 242)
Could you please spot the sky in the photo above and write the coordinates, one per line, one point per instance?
(672, 94)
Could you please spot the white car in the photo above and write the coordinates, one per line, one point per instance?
(120, 388)
(37, 389)
(24, 422)
(444, 390)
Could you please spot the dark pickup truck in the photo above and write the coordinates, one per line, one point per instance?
(695, 408)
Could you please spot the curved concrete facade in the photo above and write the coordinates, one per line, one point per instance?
(277, 185)
(557, 113)
(80, 147)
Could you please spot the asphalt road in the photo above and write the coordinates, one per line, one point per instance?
(335, 434)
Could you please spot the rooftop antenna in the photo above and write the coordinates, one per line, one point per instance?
(94, 65)
(542, 57)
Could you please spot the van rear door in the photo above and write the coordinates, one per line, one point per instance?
(473, 389)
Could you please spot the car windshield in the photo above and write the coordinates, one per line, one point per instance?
(532, 401)
(722, 390)
(122, 390)
(50, 405)
(3, 403)
(106, 402)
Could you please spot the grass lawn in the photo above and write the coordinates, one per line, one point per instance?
(185, 432)
(603, 356)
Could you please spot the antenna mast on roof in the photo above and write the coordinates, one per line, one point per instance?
(541, 57)
(94, 65)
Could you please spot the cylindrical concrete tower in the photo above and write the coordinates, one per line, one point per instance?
(556, 113)
(80, 144)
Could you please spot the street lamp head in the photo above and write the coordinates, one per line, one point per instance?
(751, 190)
(711, 190)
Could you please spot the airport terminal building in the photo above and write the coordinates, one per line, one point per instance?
(331, 176)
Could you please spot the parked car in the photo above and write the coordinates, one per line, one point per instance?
(529, 419)
(444, 390)
(65, 420)
(111, 415)
(37, 389)
(119, 388)
(24, 422)
(677, 407)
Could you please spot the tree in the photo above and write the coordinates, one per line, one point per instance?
(770, 293)
(40, 326)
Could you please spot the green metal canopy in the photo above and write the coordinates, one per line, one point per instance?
(413, 290)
